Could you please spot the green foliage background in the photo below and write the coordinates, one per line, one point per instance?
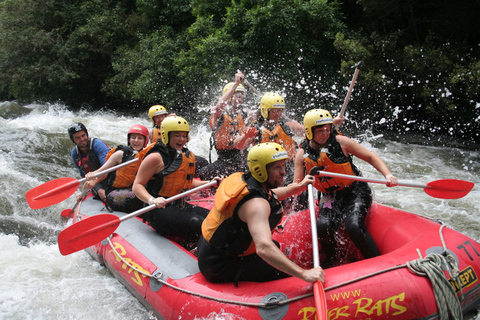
(420, 70)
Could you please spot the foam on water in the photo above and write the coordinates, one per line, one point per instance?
(36, 282)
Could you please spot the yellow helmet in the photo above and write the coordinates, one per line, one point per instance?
(240, 87)
(261, 155)
(173, 123)
(313, 118)
(269, 101)
(155, 111)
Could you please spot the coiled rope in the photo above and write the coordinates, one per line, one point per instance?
(445, 296)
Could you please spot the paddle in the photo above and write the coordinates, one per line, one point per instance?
(347, 98)
(55, 191)
(442, 189)
(92, 230)
(318, 291)
(258, 93)
(69, 212)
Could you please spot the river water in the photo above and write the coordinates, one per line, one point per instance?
(37, 282)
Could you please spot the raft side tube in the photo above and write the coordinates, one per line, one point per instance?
(162, 252)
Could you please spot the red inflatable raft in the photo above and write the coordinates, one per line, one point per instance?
(164, 276)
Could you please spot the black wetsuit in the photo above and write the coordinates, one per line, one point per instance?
(349, 205)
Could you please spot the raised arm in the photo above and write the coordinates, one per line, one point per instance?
(216, 111)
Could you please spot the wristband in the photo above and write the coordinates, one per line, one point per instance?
(388, 175)
(150, 200)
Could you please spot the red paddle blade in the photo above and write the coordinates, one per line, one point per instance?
(449, 188)
(51, 192)
(320, 301)
(86, 233)
(68, 213)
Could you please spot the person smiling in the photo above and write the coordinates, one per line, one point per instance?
(88, 155)
(118, 185)
(344, 200)
(236, 243)
(167, 170)
(157, 114)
